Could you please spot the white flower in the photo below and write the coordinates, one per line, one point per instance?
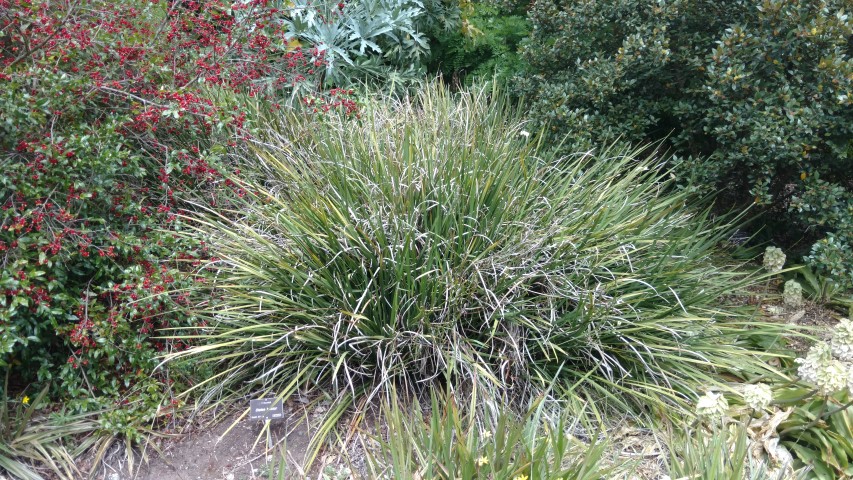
(819, 355)
(758, 396)
(850, 381)
(524, 133)
(833, 379)
(819, 368)
(712, 405)
(774, 259)
(793, 294)
(842, 341)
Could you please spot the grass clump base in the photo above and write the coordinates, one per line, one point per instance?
(435, 237)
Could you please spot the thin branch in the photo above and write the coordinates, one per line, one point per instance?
(44, 42)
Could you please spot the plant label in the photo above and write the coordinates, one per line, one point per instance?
(265, 409)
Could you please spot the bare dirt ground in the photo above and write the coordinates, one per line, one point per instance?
(245, 452)
(231, 447)
(818, 319)
(234, 447)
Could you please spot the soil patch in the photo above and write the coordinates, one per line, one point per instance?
(231, 447)
(819, 319)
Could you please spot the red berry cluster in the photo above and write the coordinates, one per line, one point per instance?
(114, 114)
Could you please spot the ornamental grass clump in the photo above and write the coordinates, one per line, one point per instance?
(430, 239)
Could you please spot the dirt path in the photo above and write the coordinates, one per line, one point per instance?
(242, 453)
(225, 451)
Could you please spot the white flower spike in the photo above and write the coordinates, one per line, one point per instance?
(758, 396)
(712, 405)
(774, 259)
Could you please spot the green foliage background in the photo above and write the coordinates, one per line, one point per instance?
(754, 100)
(485, 47)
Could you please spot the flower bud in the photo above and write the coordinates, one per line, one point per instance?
(842, 341)
(850, 381)
(757, 396)
(833, 378)
(819, 368)
(712, 405)
(793, 294)
(815, 360)
(774, 259)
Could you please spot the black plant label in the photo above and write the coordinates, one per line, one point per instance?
(265, 409)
